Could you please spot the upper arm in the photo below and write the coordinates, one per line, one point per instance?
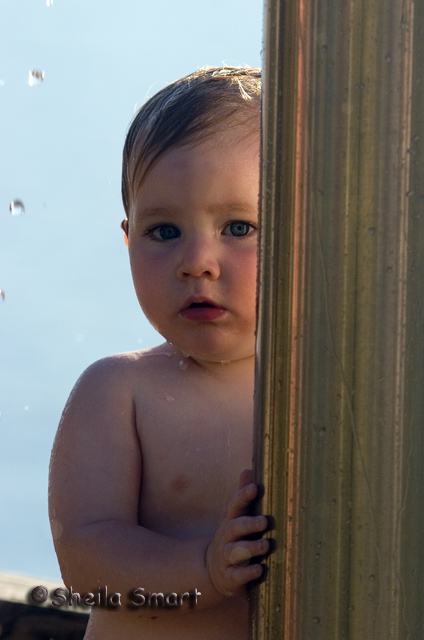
(95, 468)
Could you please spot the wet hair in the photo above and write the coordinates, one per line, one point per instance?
(187, 111)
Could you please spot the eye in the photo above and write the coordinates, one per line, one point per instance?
(238, 228)
(164, 232)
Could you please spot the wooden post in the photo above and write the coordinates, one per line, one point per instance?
(340, 360)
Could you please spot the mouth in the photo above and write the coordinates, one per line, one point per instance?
(201, 305)
(201, 310)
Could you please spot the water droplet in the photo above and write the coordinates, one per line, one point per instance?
(16, 208)
(168, 397)
(371, 231)
(183, 364)
(1, 296)
(388, 58)
(35, 77)
(316, 620)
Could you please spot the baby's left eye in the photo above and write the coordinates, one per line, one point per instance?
(238, 228)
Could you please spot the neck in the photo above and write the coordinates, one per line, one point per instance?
(242, 369)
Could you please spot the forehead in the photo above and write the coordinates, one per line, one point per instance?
(220, 168)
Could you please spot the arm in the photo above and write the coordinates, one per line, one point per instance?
(94, 494)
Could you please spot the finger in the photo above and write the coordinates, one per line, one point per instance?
(246, 477)
(243, 575)
(244, 526)
(240, 553)
(239, 503)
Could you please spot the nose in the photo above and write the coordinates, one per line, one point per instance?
(199, 259)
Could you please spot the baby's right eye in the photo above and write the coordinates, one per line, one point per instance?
(164, 232)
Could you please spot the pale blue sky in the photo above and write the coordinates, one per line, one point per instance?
(63, 265)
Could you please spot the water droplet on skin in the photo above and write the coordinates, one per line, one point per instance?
(183, 364)
(1, 296)
(35, 77)
(371, 231)
(168, 397)
(16, 208)
(316, 620)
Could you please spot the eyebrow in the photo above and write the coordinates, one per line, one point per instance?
(226, 207)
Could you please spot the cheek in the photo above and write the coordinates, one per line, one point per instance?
(148, 280)
(244, 271)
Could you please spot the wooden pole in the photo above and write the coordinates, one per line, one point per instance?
(339, 397)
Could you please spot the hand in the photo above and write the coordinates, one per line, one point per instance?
(229, 553)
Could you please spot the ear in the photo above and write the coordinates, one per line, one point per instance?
(124, 227)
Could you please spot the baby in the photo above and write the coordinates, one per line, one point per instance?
(149, 503)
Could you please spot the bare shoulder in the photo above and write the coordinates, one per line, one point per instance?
(96, 461)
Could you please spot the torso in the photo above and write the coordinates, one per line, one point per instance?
(195, 433)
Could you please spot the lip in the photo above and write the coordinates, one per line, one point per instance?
(201, 314)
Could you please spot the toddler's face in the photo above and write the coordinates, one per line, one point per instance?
(193, 246)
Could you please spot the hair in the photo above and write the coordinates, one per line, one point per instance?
(187, 111)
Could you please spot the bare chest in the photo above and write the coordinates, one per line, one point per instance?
(194, 447)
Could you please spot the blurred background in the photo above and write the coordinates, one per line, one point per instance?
(67, 297)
